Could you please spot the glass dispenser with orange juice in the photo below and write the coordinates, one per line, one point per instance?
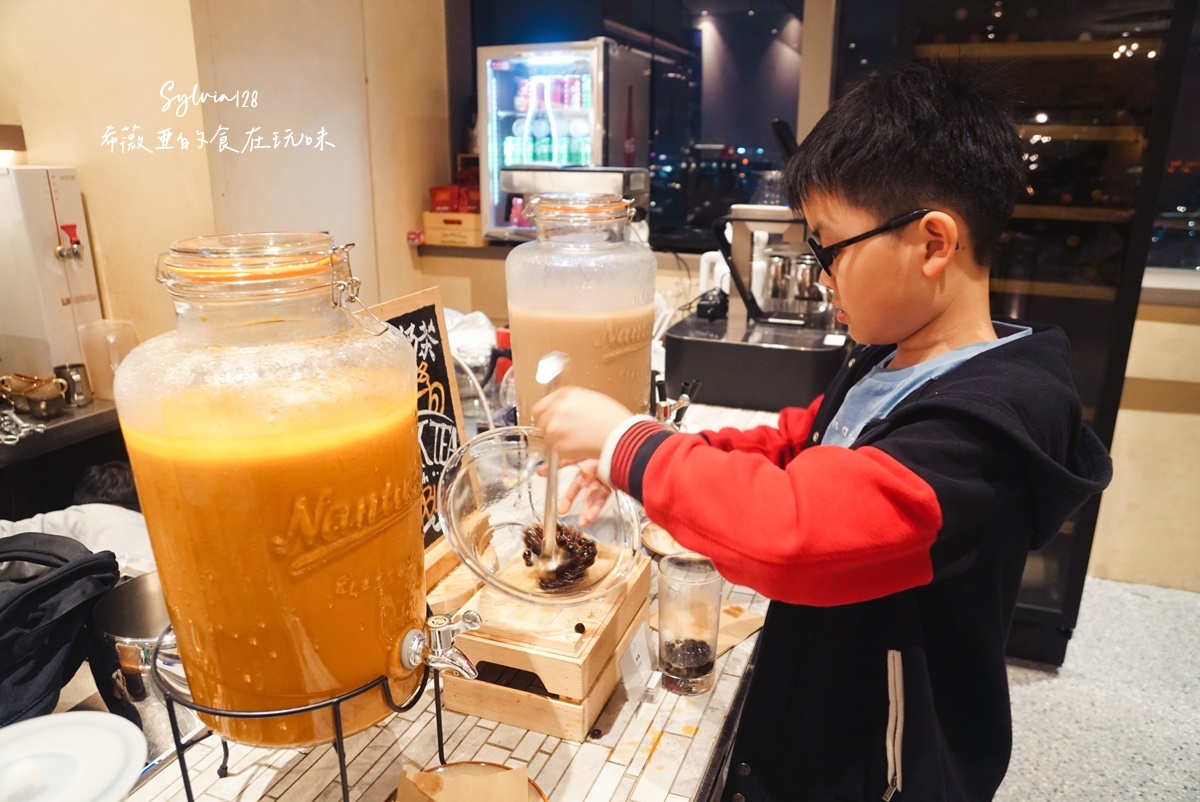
(274, 445)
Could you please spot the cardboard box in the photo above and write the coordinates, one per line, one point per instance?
(444, 198)
(468, 200)
(454, 228)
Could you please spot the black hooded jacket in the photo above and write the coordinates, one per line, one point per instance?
(893, 567)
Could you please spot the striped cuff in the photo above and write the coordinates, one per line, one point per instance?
(604, 469)
(631, 454)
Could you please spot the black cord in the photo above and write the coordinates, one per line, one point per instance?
(690, 305)
(437, 714)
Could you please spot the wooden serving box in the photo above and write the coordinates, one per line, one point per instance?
(546, 669)
(454, 228)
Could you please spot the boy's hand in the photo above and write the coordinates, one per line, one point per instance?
(597, 493)
(576, 421)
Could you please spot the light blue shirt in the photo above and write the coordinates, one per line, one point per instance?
(877, 393)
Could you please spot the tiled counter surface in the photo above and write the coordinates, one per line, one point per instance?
(651, 747)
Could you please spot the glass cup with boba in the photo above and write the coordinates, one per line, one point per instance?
(689, 612)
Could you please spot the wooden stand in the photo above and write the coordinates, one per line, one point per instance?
(546, 669)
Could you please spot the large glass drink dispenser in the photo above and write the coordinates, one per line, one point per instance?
(582, 288)
(274, 445)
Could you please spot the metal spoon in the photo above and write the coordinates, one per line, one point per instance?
(549, 371)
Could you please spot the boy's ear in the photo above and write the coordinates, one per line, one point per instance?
(940, 233)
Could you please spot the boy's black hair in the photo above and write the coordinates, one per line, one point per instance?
(915, 135)
(110, 483)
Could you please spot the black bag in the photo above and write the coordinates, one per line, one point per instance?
(42, 619)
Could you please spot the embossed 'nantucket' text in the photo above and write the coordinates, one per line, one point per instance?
(322, 526)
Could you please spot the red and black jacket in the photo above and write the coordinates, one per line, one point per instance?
(893, 566)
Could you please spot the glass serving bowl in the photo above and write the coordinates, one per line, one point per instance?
(490, 493)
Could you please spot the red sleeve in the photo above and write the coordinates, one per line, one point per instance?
(835, 526)
(780, 444)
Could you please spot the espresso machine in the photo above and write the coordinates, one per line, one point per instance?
(778, 343)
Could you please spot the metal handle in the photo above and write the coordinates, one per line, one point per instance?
(435, 645)
(344, 287)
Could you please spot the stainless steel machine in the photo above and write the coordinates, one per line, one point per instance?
(778, 348)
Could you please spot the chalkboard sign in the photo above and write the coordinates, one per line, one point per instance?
(419, 318)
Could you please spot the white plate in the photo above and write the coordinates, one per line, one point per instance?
(80, 756)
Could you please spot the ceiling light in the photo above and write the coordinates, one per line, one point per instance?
(1041, 117)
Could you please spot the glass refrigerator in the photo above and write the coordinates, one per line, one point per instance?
(560, 105)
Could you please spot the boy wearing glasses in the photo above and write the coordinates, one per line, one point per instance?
(889, 521)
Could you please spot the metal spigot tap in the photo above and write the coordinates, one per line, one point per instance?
(435, 646)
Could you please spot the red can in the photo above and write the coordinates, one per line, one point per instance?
(521, 100)
(574, 92)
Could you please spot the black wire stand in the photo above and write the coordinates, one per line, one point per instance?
(172, 697)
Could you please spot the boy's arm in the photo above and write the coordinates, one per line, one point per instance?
(836, 525)
(780, 443)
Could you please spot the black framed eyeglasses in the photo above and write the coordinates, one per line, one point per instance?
(826, 255)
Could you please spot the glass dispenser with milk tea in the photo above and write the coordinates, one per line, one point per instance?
(583, 288)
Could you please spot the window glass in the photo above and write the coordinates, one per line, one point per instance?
(744, 74)
(1174, 241)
